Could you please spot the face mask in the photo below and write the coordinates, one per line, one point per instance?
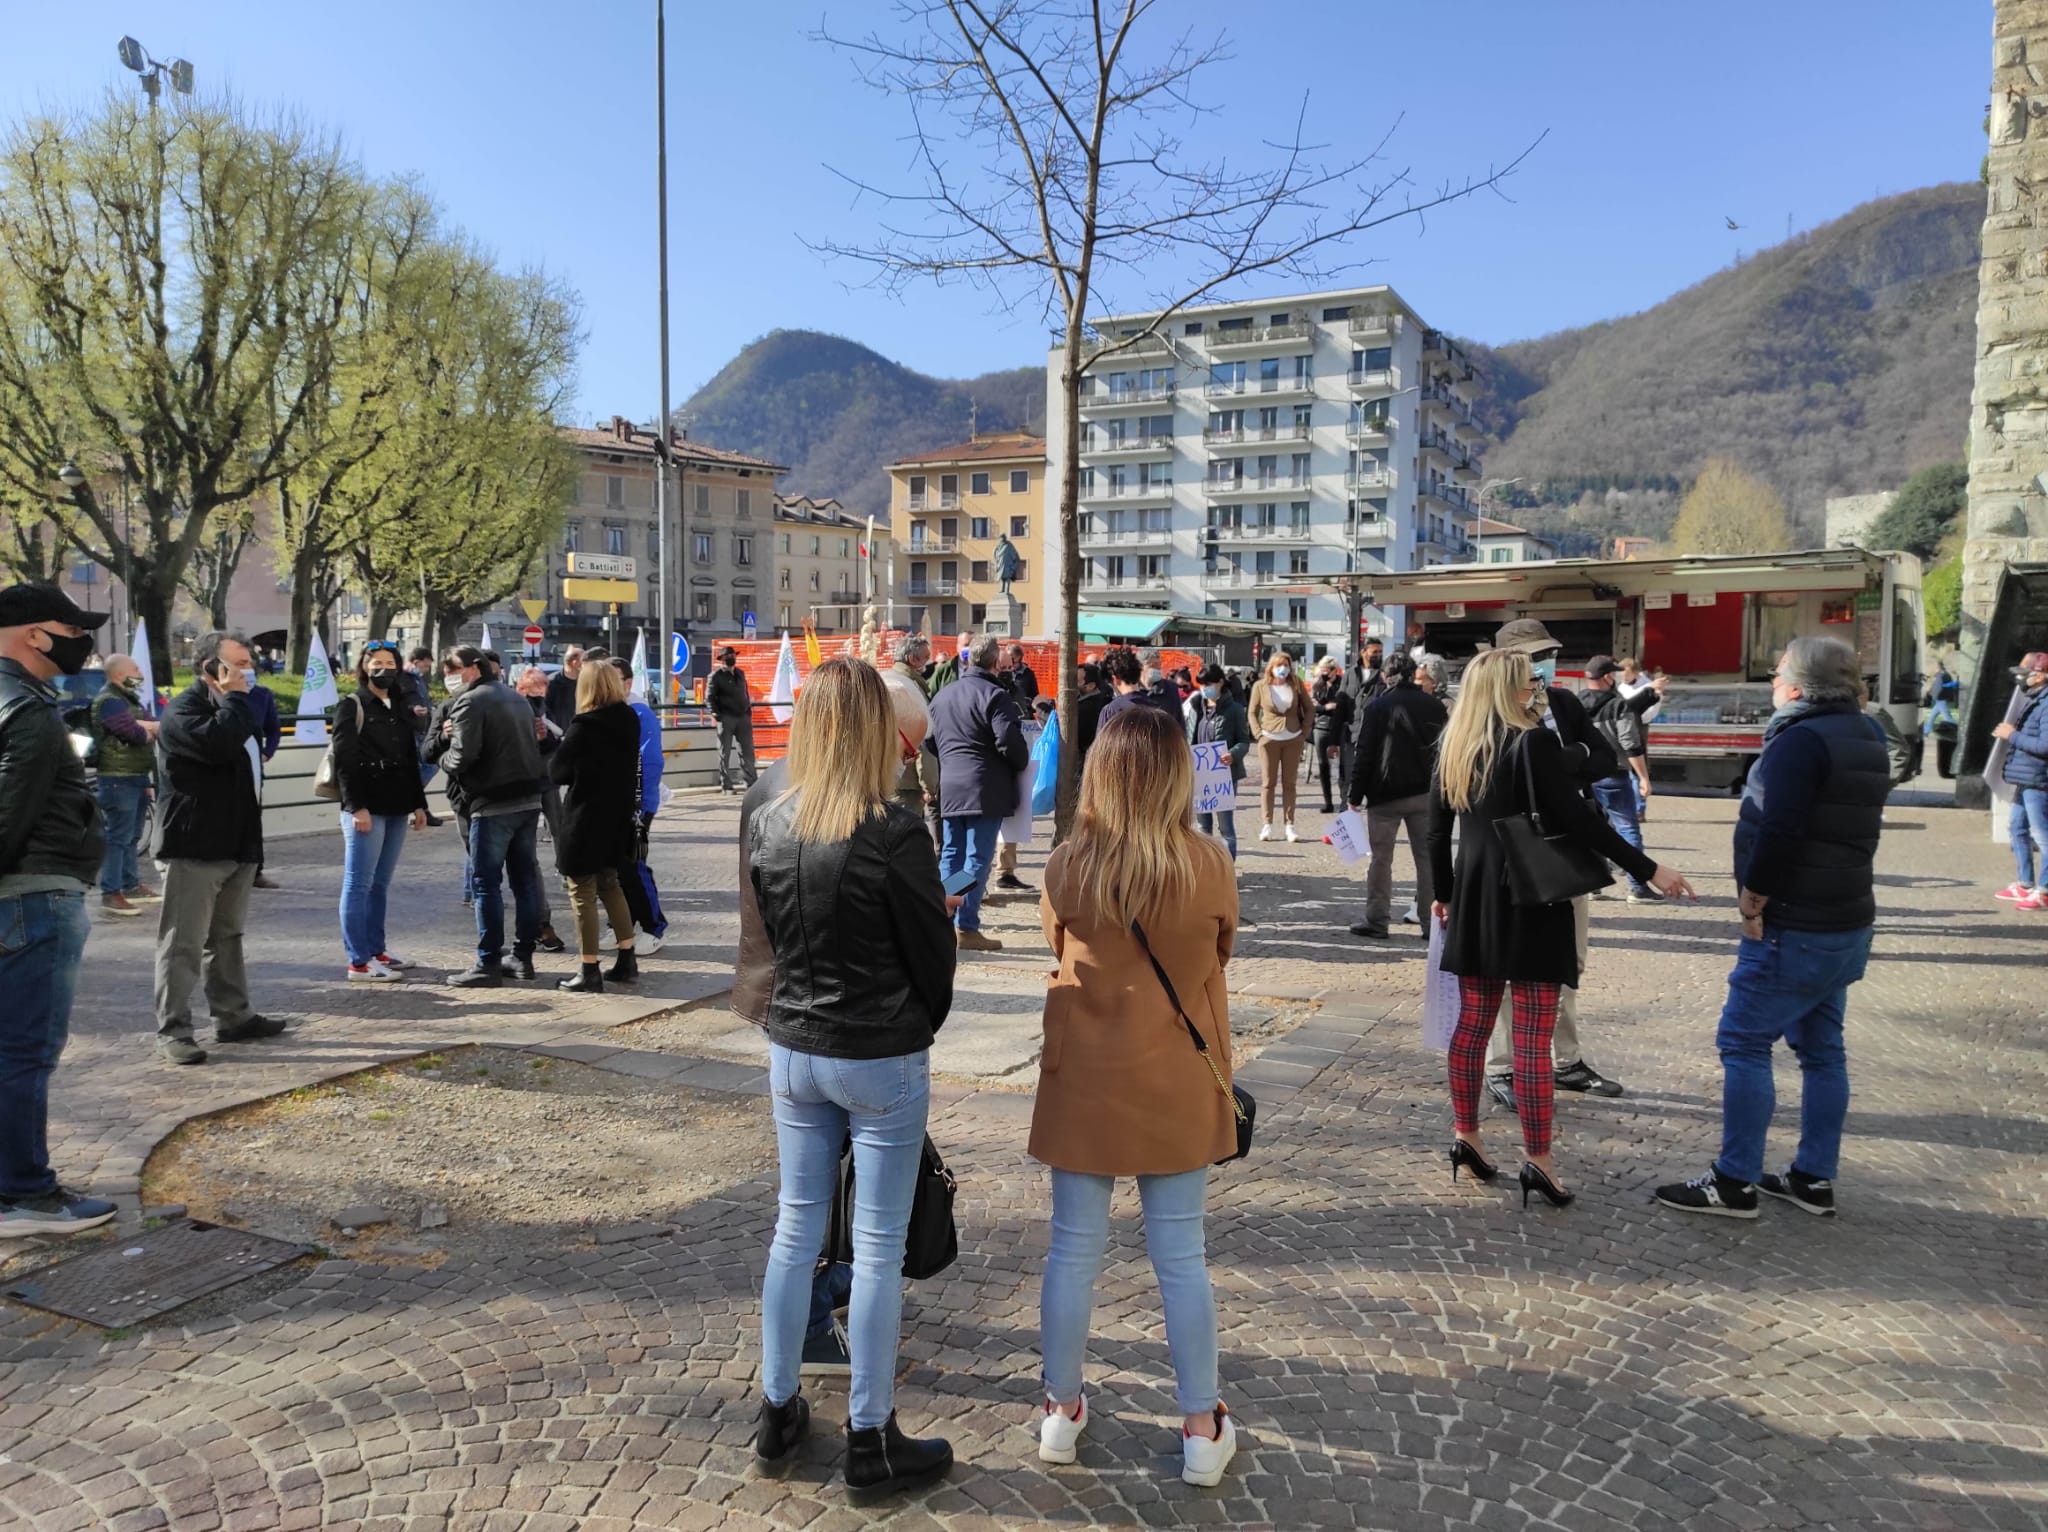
(1545, 670)
(1212, 692)
(383, 679)
(1281, 672)
(249, 676)
(69, 654)
(929, 667)
(453, 684)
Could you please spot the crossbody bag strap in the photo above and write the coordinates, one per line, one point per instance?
(1236, 1107)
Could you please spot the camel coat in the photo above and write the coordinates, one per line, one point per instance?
(1122, 1090)
(1266, 715)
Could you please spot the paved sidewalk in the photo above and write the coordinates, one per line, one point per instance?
(1399, 1352)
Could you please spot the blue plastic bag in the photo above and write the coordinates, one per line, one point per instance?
(1045, 786)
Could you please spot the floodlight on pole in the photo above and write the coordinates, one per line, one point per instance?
(136, 57)
(70, 475)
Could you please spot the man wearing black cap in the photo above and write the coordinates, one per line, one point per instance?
(1592, 760)
(733, 709)
(51, 842)
(1619, 718)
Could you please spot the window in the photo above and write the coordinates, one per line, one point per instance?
(742, 606)
(743, 548)
(614, 491)
(1297, 561)
(784, 544)
(949, 619)
(746, 505)
(817, 543)
(814, 580)
(1262, 562)
(1023, 570)
(1297, 518)
(949, 527)
(1242, 323)
(1500, 555)
(783, 619)
(846, 547)
(949, 485)
(977, 614)
(917, 489)
(980, 526)
(700, 547)
(701, 606)
(1020, 481)
(654, 547)
(1192, 327)
(1020, 526)
(1262, 611)
(978, 570)
(1297, 612)
(1336, 313)
(1300, 470)
(977, 484)
(614, 540)
(572, 537)
(703, 499)
(782, 578)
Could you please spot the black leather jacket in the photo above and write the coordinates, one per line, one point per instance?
(49, 820)
(492, 755)
(863, 947)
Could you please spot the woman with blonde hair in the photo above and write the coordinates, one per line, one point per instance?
(1141, 911)
(1493, 758)
(1281, 714)
(597, 766)
(846, 886)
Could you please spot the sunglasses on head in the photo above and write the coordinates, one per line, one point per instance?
(376, 644)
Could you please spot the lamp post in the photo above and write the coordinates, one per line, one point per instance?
(662, 451)
(1479, 524)
(153, 73)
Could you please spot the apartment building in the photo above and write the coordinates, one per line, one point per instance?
(950, 508)
(820, 569)
(1235, 456)
(1502, 542)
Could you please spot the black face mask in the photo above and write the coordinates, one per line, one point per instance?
(69, 654)
(929, 667)
(383, 680)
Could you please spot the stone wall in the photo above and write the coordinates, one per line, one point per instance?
(1849, 517)
(2009, 404)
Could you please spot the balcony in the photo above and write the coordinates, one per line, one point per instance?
(1450, 494)
(1223, 436)
(1263, 532)
(1375, 326)
(1252, 487)
(1126, 446)
(1450, 540)
(1441, 397)
(1153, 491)
(945, 500)
(1124, 345)
(1127, 537)
(1373, 380)
(1123, 585)
(1224, 577)
(916, 588)
(1104, 399)
(932, 547)
(1373, 430)
(844, 598)
(1291, 332)
(1379, 476)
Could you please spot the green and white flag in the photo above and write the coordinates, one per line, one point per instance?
(317, 697)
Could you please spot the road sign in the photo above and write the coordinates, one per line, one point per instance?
(533, 609)
(604, 566)
(619, 591)
(747, 628)
(534, 635)
(678, 655)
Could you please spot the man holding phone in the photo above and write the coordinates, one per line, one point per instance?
(209, 844)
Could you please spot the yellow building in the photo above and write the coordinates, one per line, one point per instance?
(950, 509)
(820, 571)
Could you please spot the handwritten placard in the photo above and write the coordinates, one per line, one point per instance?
(1215, 792)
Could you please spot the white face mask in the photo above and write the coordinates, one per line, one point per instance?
(453, 684)
(1281, 672)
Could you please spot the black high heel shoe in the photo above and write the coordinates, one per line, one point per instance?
(1464, 1154)
(1534, 1180)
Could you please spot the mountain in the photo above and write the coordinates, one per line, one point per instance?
(837, 413)
(1836, 363)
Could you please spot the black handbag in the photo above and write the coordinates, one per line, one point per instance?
(932, 1243)
(1242, 1106)
(1544, 867)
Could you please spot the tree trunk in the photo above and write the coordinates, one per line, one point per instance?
(1069, 789)
(149, 601)
(380, 616)
(305, 567)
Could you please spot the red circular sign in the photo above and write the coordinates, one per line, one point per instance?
(534, 634)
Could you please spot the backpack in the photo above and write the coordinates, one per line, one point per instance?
(1601, 709)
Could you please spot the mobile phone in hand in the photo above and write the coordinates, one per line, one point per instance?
(961, 881)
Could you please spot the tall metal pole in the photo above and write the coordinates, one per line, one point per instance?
(661, 461)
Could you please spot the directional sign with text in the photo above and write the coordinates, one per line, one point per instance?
(603, 566)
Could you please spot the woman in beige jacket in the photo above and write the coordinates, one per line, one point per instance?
(1281, 716)
(1123, 1089)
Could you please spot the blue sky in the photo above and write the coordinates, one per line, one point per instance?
(534, 123)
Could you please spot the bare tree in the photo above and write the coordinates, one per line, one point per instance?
(1082, 186)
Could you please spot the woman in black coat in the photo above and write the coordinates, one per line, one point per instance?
(597, 766)
(1493, 755)
(377, 769)
(1331, 732)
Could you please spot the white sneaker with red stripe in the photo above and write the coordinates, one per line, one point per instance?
(1059, 1434)
(2014, 892)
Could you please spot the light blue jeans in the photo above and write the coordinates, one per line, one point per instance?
(2029, 826)
(1173, 1239)
(819, 1101)
(369, 859)
(970, 843)
(1225, 828)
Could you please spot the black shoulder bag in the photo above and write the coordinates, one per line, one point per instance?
(1544, 867)
(1242, 1106)
(932, 1242)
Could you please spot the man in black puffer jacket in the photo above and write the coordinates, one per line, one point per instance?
(492, 757)
(1390, 774)
(1805, 844)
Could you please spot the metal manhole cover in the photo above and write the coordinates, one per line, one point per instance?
(138, 1278)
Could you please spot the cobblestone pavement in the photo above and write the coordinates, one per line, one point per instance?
(1399, 1351)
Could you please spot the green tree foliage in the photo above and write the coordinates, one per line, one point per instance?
(1923, 510)
(1729, 511)
(1941, 597)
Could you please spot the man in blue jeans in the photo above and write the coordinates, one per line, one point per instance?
(1618, 716)
(1805, 842)
(979, 732)
(50, 847)
(492, 756)
(127, 764)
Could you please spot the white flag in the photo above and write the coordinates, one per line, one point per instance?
(139, 652)
(316, 695)
(783, 693)
(487, 644)
(638, 690)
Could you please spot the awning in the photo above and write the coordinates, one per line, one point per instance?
(1109, 627)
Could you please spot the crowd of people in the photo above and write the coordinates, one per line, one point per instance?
(865, 854)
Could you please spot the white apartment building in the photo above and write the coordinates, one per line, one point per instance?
(1502, 542)
(1241, 453)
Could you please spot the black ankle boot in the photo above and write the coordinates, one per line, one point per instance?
(587, 980)
(780, 1429)
(882, 1460)
(625, 967)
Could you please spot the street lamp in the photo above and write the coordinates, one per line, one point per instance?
(1479, 525)
(177, 71)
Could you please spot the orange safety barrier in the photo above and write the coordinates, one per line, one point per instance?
(757, 657)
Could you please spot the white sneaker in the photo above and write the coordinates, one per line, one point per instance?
(393, 961)
(1265, 832)
(1292, 833)
(1059, 1437)
(1202, 1461)
(372, 972)
(646, 943)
